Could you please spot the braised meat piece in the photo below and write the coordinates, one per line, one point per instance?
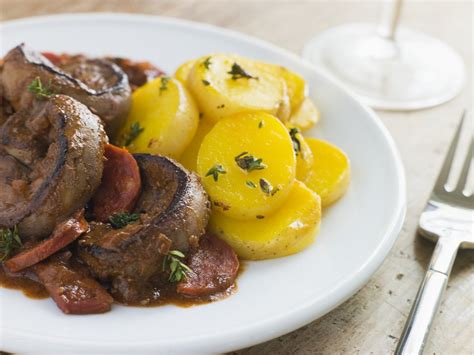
(174, 211)
(64, 234)
(51, 162)
(73, 291)
(214, 268)
(139, 73)
(99, 84)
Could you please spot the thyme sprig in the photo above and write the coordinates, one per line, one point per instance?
(267, 188)
(207, 63)
(134, 132)
(9, 242)
(164, 84)
(121, 219)
(177, 269)
(237, 72)
(248, 162)
(215, 171)
(36, 87)
(295, 140)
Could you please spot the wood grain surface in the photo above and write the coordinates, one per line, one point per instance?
(371, 321)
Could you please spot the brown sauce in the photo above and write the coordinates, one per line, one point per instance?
(163, 296)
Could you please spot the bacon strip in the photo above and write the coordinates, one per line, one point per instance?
(64, 233)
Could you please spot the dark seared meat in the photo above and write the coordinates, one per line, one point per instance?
(64, 234)
(174, 210)
(99, 84)
(73, 292)
(51, 164)
(215, 266)
(139, 73)
(6, 110)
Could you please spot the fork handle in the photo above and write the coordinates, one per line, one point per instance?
(428, 298)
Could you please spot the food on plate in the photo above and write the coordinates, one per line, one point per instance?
(227, 84)
(305, 116)
(304, 155)
(331, 171)
(288, 230)
(51, 159)
(190, 154)
(120, 186)
(95, 210)
(172, 210)
(247, 165)
(162, 120)
(99, 84)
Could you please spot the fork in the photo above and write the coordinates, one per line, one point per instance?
(447, 218)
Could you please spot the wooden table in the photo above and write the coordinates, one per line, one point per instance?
(371, 321)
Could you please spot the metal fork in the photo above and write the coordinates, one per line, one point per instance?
(447, 218)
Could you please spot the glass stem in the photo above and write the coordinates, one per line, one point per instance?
(390, 18)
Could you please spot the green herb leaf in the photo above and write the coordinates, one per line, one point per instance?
(267, 188)
(248, 162)
(259, 216)
(206, 83)
(121, 219)
(36, 87)
(178, 270)
(250, 184)
(135, 130)
(237, 72)
(9, 242)
(260, 124)
(294, 139)
(215, 171)
(207, 63)
(164, 83)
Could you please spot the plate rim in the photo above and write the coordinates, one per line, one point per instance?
(284, 322)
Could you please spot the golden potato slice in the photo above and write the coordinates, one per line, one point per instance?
(163, 119)
(304, 155)
(190, 154)
(224, 85)
(183, 71)
(288, 230)
(305, 116)
(330, 175)
(247, 165)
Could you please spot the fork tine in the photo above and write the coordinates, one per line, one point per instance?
(465, 169)
(448, 160)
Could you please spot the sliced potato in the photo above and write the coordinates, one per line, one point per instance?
(305, 116)
(239, 184)
(183, 71)
(163, 119)
(224, 85)
(304, 155)
(190, 154)
(290, 229)
(330, 175)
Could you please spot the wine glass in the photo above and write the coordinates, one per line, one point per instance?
(388, 67)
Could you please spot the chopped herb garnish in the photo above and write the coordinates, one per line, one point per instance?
(215, 171)
(259, 216)
(207, 63)
(36, 87)
(201, 115)
(164, 83)
(237, 72)
(267, 188)
(250, 184)
(221, 106)
(296, 142)
(9, 242)
(260, 124)
(248, 162)
(177, 269)
(206, 83)
(121, 219)
(135, 130)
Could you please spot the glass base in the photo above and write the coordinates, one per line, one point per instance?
(413, 72)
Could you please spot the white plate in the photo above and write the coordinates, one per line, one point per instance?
(275, 296)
